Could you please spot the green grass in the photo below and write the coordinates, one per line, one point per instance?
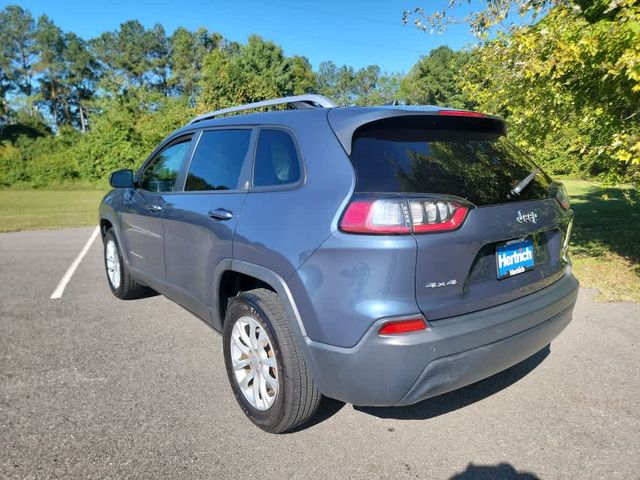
(605, 246)
(101, 186)
(41, 209)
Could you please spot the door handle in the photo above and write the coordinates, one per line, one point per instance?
(220, 214)
(155, 208)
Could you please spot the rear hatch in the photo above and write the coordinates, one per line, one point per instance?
(490, 226)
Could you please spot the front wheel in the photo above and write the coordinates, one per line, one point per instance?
(267, 372)
(120, 282)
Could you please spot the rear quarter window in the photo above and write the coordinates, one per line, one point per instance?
(276, 161)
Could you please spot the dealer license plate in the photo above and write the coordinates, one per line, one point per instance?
(514, 257)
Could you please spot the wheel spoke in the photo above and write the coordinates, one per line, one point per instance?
(253, 335)
(237, 339)
(263, 390)
(270, 362)
(273, 383)
(244, 383)
(241, 364)
(243, 335)
(256, 389)
(263, 340)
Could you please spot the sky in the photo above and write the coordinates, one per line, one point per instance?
(356, 33)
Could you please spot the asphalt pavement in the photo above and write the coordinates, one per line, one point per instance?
(95, 387)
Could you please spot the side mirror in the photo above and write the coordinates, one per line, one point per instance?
(121, 179)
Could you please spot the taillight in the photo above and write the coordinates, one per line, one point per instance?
(393, 216)
(376, 216)
(562, 197)
(408, 325)
(436, 216)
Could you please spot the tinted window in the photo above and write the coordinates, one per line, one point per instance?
(218, 159)
(276, 159)
(480, 166)
(161, 173)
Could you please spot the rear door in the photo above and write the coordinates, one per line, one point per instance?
(141, 228)
(511, 242)
(200, 221)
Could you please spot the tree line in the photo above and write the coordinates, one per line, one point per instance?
(74, 109)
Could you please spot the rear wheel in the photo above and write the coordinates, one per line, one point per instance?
(267, 372)
(118, 277)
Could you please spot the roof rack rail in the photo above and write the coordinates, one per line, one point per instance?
(298, 101)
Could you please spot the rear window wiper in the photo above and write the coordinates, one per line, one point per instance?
(523, 184)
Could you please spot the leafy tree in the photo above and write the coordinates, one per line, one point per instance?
(387, 90)
(570, 89)
(82, 72)
(481, 21)
(186, 55)
(5, 70)
(337, 82)
(258, 70)
(266, 60)
(17, 31)
(302, 75)
(125, 56)
(365, 83)
(16, 142)
(327, 79)
(126, 131)
(433, 79)
(226, 83)
(568, 84)
(366, 86)
(50, 70)
(157, 55)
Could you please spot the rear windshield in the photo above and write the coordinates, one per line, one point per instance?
(480, 166)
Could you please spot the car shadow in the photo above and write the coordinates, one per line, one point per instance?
(328, 408)
(146, 292)
(449, 402)
(503, 471)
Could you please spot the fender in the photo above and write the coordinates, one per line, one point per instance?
(267, 276)
(110, 216)
(108, 212)
(285, 296)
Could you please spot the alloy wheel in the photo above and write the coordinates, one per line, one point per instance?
(254, 363)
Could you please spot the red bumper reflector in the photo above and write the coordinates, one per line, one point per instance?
(403, 326)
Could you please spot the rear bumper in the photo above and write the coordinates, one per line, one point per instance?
(458, 351)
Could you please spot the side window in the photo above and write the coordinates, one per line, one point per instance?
(217, 161)
(276, 159)
(161, 173)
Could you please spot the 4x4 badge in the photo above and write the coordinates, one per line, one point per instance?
(441, 284)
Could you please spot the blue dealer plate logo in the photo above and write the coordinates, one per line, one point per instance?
(514, 257)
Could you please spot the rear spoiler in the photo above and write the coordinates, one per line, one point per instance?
(345, 122)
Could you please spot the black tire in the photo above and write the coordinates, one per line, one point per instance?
(128, 289)
(298, 398)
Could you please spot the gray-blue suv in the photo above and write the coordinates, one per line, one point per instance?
(375, 255)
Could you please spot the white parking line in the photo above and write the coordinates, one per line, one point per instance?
(57, 293)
